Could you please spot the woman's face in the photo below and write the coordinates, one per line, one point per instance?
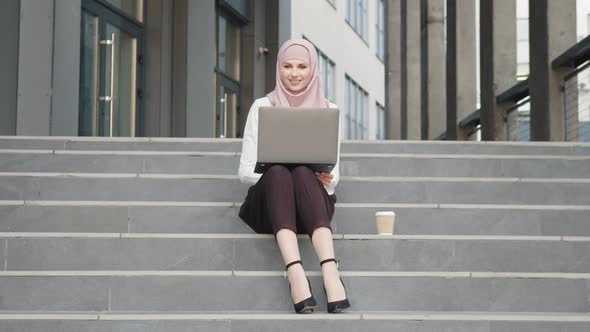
(295, 75)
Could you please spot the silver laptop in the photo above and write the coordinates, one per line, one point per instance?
(297, 136)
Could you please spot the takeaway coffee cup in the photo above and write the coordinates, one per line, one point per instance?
(385, 221)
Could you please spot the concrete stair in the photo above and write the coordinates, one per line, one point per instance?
(352, 164)
(143, 235)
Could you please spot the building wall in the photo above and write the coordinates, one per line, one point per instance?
(41, 86)
(35, 67)
(326, 27)
(48, 67)
(66, 68)
(40, 81)
(9, 34)
(259, 35)
(200, 68)
(158, 68)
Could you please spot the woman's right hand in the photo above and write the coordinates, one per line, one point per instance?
(324, 177)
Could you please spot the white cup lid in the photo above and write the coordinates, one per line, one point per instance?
(385, 213)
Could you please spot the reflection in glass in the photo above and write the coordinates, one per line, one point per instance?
(518, 121)
(326, 75)
(221, 111)
(226, 119)
(228, 48)
(133, 8)
(120, 84)
(228, 78)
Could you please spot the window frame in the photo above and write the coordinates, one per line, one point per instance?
(357, 18)
(356, 110)
(380, 30)
(327, 76)
(380, 134)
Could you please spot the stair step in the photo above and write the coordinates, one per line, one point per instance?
(463, 147)
(235, 145)
(120, 143)
(236, 252)
(193, 293)
(363, 274)
(465, 166)
(119, 234)
(44, 321)
(286, 321)
(222, 217)
(69, 186)
(350, 165)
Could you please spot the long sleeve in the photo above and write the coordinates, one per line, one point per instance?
(249, 148)
(336, 171)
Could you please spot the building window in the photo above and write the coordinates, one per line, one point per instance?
(111, 39)
(228, 48)
(237, 8)
(356, 16)
(327, 73)
(522, 48)
(327, 76)
(356, 110)
(380, 122)
(380, 29)
(522, 39)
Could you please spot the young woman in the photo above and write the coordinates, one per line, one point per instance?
(286, 201)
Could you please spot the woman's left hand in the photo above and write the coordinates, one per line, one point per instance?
(325, 178)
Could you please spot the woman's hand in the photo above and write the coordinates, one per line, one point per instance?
(325, 178)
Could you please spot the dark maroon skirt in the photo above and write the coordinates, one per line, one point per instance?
(290, 198)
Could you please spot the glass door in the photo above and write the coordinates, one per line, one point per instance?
(118, 97)
(226, 119)
(227, 70)
(110, 72)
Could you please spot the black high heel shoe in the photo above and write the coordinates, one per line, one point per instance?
(309, 303)
(336, 306)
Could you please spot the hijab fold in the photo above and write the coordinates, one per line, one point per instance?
(313, 94)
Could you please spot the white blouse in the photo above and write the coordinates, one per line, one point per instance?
(250, 151)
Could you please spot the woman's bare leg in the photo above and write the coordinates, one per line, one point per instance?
(324, 248)
(287, 240)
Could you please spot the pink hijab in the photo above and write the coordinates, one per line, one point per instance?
(313, 95)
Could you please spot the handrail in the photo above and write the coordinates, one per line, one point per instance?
(574, 56)
(517, 105)
(576, 72)
(575, 101)
(472, 120)
(514, 94)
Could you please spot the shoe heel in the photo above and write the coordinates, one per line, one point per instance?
(307, 305)
(336, 306)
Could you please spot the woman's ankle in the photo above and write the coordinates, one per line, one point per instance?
(296, 272)
(298, 284)
(297, 277)
(330, 270)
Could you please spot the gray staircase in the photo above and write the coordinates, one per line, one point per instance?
(143, 235)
